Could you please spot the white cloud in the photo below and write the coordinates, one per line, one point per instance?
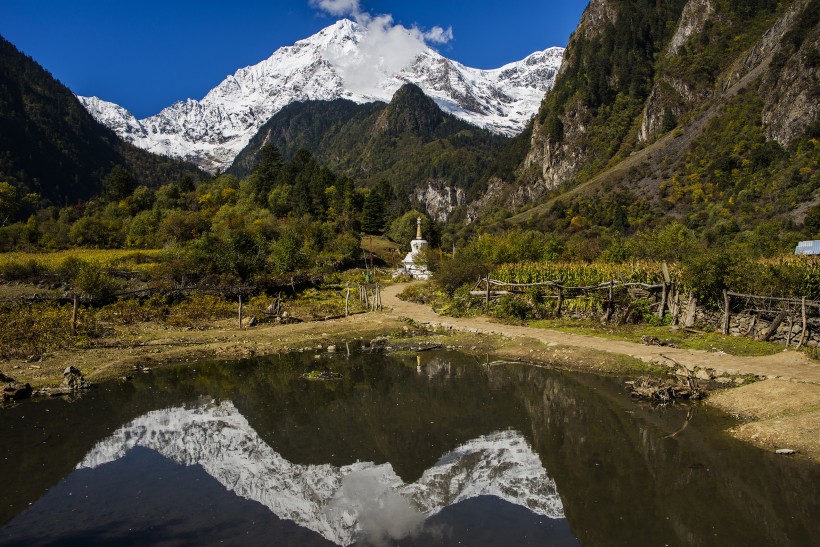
(337, 7)
(384, 50)
(439, 35)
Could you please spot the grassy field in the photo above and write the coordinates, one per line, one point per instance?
(382, 248)
(131, 259)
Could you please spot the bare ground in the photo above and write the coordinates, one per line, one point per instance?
(781, 411)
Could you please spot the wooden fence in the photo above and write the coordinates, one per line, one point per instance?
(563, 292)
(762, 316)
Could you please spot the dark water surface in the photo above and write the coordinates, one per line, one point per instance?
(438, 449)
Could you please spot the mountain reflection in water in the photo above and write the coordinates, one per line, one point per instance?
(459, 448)
(340, 503)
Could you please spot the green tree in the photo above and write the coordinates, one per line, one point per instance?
(373, 213)
(286, 252)
(242, 254)
(118, 184)
(812, 221)
(453, 273)
(11, 203)
(266, 173)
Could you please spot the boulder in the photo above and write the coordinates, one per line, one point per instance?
(15, 391)
(73, 379)
(379, 342)
(703, 374)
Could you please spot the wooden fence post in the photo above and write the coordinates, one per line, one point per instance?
(805, 324)
(74, 315)
(560, 302)
(487, 301)
(609, 305)
(789, 334)
(750, 331)
(663, 301)
(347, 300)
(773, 326)
(674, 304)
(240, 311)
(691, 310)
(727, 300)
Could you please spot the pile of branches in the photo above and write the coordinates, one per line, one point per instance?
(665, 389)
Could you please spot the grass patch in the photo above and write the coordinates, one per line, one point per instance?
(682, 338)
(130, 259)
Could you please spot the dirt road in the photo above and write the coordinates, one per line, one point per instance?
(789, 365)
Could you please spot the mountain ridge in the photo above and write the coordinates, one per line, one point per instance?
(211, 131)
(715, 131)
(409, 143)
(340, 503)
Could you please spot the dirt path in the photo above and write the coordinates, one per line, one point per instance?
(789, 365)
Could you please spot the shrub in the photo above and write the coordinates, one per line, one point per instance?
(92, 281)
(199, 310)
(133, 310)
(31, 331)
(19, 270)
(510, 307)
(455, 272)
(708, 274)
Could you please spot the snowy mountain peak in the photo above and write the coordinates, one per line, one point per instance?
(344, 60)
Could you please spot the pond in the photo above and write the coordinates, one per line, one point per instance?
(440, 448)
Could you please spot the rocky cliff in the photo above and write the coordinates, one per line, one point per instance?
(635, 71)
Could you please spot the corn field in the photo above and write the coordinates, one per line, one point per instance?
(581, 274)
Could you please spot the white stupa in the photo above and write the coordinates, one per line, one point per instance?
(411, 263)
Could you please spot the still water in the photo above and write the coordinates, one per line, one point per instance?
(435, 449)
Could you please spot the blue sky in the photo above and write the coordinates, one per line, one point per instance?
(145, 55)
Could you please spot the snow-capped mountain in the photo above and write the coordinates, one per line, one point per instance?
(340, 61)
(340, 503)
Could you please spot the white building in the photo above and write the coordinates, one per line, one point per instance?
(411, 263)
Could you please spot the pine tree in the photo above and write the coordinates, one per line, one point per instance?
(266, 173)
(373, 213)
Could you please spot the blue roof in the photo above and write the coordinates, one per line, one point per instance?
(808, 248)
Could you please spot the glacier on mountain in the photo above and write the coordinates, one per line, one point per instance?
(337, 62)
(344, 503)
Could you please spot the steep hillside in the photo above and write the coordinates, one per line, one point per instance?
(410, 144)
(703, 111)
(51, 145)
